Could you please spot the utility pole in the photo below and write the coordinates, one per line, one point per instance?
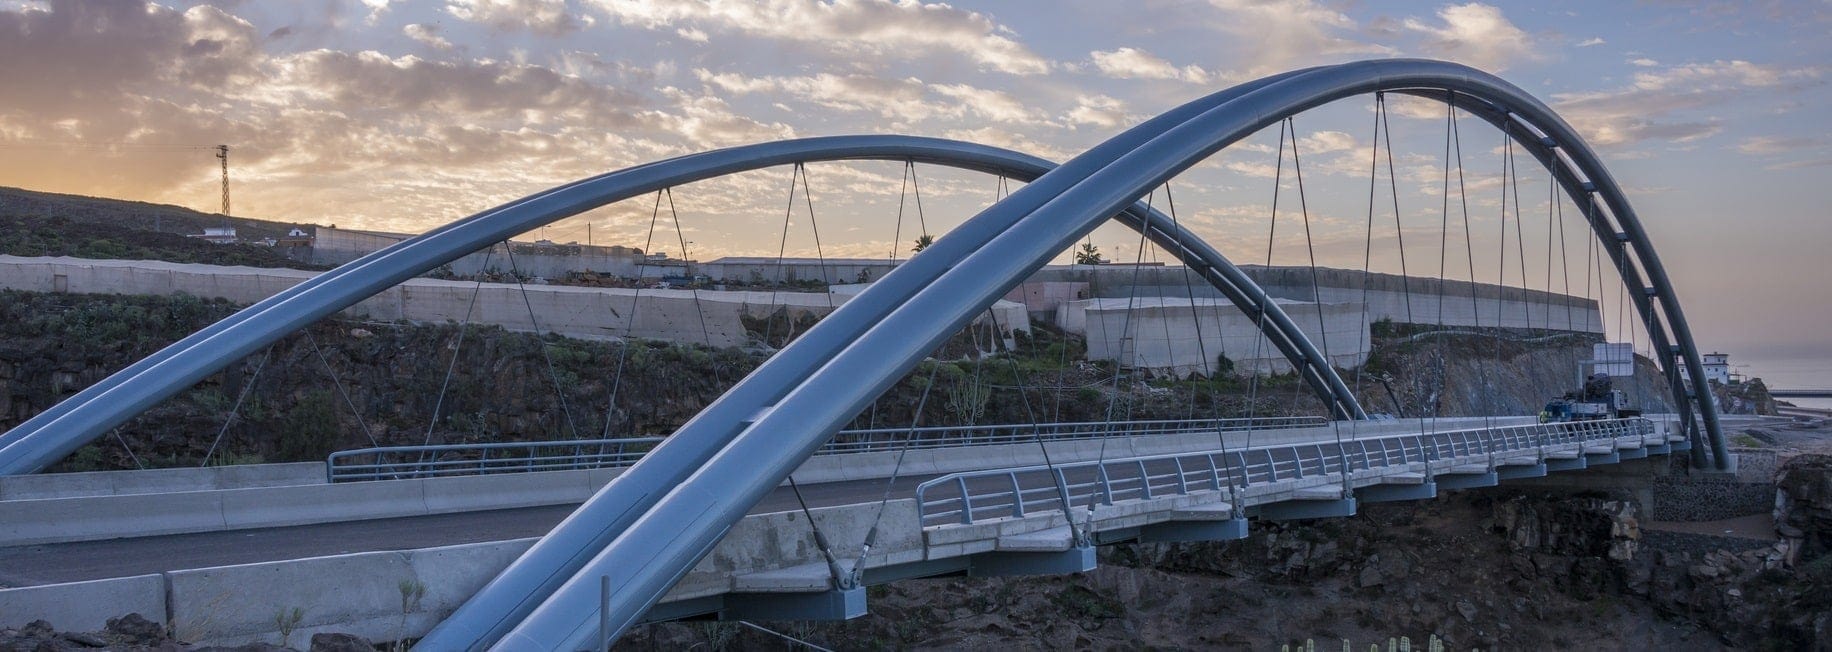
(222, 152)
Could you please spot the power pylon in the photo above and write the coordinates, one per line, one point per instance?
(222, 152)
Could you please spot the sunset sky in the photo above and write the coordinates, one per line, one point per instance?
(401, 115)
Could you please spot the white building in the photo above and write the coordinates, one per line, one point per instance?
(218, 235)
(1717, 368)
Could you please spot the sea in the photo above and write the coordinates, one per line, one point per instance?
(1796, 372)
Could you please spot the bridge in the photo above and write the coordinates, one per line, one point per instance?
(648, 542)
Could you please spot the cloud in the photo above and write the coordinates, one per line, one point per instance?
(1279, 35)
(67, 58)
(890, 98)
(1592, 41)
(992, 104)
(1134, 63)
(1099, 111)
(1643, 62)
(1475, 34)
(427, 34)
(474, 89)
(844, 26)
(548, 17)
(1778, 145)
(1651, 106)
(376, 9)
(908, 99)
(1327, 141)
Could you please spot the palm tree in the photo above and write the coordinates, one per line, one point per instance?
(1088, 254)
(922, 242)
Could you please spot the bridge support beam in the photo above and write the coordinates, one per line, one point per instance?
(1387, 493)
(1521, 471)
(1077, 559)
(1468, 480)
(1595, 459)
(832, 605)
(1574, 463)
(1292, 510)
(1632, 453)
(1232, 529)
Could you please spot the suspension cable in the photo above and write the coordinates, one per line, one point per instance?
(464, 328)
(338, 383)
(1399, 234)
(1469, 249)
(1260, 341)
(897, 232)
(235, 410)
(1364, 334)
(1437, 403)
(1208, 364)
(629, 333)
(698, 308)
(1316, 290)
(534, 322)
(116, 432)
(786, 637)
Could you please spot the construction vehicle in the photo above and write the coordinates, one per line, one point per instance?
(1597, 399)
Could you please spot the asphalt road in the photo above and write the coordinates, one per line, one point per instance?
(91, 560)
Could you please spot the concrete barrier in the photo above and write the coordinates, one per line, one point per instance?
(84, 606)
(148, 481)
(378, 595)
(55, 520)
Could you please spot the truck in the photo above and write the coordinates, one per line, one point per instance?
(1597, 399)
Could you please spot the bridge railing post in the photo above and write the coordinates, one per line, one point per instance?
(1062, 490)
(966, 502)
(1017, 496)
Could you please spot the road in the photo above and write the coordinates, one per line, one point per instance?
(91, 560)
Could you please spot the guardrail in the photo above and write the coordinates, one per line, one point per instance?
(404, 462)
(968, 496)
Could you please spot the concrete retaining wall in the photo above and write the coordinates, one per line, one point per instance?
(1179, 336)
(695, 316)
(1386, 295)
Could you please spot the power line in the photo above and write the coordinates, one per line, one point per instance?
(52, 144)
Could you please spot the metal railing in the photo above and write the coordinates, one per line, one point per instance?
(405, 462)
(974, 495)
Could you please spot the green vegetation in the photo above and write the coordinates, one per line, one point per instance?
(58, 236)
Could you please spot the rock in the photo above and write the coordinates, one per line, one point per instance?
(85, 639)
(135, 629)
(1467, 610)
(341, 643)
(1370, 576)
(37, 629)
(360, 333)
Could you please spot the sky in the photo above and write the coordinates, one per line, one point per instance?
(400, 115)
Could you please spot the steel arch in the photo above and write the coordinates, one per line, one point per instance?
(55, 433)
(642, 562)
